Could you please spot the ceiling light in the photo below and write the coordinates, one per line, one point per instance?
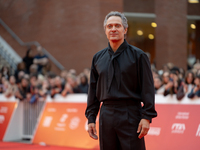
(151, 36)
(140, 32)
(193, 26)
(193, 1)
(153, 24)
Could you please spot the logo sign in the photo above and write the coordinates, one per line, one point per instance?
(182, 115)
(74, 123)
(47, 121)
(3, 109)
(154, 131)
(198, 131)
(178, 128)
(61, 125)
(2, 118)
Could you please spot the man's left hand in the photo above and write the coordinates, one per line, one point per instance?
(143, 128)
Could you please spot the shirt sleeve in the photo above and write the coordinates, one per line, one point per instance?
(92, 101)
(147, 88)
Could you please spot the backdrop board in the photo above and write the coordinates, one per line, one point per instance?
(7, 109)
(177, 125)
(63, 123)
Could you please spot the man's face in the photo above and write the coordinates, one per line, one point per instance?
(39, 49)
(114, 29)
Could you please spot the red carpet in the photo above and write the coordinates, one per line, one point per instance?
(22, 146)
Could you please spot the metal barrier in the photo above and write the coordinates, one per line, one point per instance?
(31, 113)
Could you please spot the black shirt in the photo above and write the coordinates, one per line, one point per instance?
(125, 74)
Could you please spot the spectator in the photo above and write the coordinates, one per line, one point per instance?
(28, 59)
(86, 71)
(1, 84)
(12, 87)
(24, 91)
(58, 87)
(5, 72)
(165, 77)
(40, 59)
(63, 76)
(159, 89)
(72, 81)
(154, 73)
(33, 83)
(33, 69)
(20, 68)
(72, 72)
(4, 84)
(198, 72)
(189, 81)
(83, 86)
(195, 92)
(173, 84)
(45, 87)
(71, 85)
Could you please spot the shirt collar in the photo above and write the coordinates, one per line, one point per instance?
(121, 48)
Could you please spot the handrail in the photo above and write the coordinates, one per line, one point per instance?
(30, 43)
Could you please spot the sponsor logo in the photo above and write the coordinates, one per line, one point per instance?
(47, 121)
(74, 123)
(64, 118)
(178, 128)
(59, 129)
(72, 110)
(4, 109)
(198, 131)
(2, 118)
(61, 125)
(182, 115)
(51, 109)
(154, 131)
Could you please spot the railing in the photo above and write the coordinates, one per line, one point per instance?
(7, 59)
(31, 114)
(30, 43)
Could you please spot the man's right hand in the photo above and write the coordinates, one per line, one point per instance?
(92, 131)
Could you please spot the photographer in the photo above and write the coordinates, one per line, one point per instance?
(173, 84)
(196, 89)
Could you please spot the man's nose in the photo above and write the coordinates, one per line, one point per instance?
(113, 28)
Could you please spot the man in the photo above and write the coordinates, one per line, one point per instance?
(40, 59)
(121, 78)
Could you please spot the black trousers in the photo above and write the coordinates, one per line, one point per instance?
(118, 125)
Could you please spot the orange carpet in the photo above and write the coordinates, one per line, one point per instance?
(22, 146)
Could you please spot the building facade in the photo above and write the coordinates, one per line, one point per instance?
(72, 31)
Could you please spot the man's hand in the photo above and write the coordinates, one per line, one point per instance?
(92, 131)
(143, 128)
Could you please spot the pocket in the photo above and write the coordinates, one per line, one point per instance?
(134, 115)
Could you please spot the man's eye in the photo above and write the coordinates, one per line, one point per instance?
(109, 26)
(118, 25)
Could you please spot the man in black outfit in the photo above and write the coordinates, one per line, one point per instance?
(121, 78)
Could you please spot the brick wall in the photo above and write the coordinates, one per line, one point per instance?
(139, 6)
(72, 31)
(171, 32)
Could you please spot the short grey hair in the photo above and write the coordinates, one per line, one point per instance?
(116, 13)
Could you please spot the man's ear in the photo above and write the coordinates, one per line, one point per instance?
(125, 31)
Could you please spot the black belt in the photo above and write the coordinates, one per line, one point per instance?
(122, 102)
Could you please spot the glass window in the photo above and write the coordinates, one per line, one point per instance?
(141, 33)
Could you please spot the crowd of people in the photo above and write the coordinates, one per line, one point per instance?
(173, 80)
(33, 80)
